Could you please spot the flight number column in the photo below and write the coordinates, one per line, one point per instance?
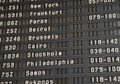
(9, 36)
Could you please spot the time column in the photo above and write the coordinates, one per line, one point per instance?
(10, 39)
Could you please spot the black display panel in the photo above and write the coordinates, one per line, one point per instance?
(59, 42)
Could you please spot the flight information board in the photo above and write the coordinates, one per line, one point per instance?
(59, 41)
